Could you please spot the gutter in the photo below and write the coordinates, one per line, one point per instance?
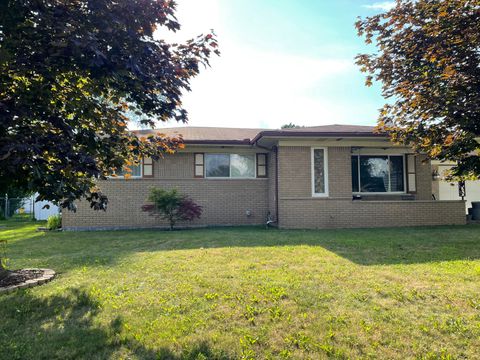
(283, 134)
(276, 186)
(254, 141)
(218, 142)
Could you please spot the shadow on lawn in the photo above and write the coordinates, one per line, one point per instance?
(63, 251)
(362, 246)
(65, 327)
(60, 326)
(413, 245)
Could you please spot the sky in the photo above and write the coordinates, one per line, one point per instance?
(282, 61)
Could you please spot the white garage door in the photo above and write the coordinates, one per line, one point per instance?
(449, 191)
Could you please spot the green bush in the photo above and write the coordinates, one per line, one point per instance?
(172, 206)
(54, 222)
(3, 257)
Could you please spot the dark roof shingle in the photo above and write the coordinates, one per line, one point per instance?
(223, 135)
(195, 134)
(335, 128)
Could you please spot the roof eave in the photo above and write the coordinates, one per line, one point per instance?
(278, 134)
(218, 142)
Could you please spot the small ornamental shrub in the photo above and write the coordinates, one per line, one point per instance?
(172, 206)
(3, 258)
(54, 222)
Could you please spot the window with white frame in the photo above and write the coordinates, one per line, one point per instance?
(319, 172)
(230, 166)
(378, 174)
(132, 170)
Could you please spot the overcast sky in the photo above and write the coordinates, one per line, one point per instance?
(282, 61)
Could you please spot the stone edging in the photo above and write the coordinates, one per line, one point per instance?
(48, 275)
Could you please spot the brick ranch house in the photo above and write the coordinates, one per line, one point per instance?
(334, 176)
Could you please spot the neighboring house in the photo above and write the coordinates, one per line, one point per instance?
(444, 189)
(315, 177)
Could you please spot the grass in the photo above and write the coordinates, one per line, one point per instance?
(245, 293)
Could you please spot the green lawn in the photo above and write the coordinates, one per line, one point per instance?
(245, 293)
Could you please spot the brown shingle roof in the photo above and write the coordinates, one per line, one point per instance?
(217, 135)
(335, 128)
(193, 134)
(322, 131)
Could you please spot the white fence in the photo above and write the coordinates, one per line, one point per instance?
(42, 213)
(27, 207)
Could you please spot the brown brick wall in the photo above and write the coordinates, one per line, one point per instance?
(298, 209)
(272, 193)
(294, 172)
(340, 172)
(424, 178)
(343, 213)
(224, 201)
(178, 166)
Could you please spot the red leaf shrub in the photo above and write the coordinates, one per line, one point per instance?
(189, 210)
(172, 206)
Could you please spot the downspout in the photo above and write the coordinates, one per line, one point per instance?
(276, 185)
(275, 150)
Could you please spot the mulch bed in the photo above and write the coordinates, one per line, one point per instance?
(15, 277)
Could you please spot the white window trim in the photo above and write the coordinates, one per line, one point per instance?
(325, 165)
(132, 176)
(229, 177)
(385, 192)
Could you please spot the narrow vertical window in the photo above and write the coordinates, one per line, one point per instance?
(147, 167)
(396, 174)
(319, 172)
(199, 165)
(261, 165)
(355, 176)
